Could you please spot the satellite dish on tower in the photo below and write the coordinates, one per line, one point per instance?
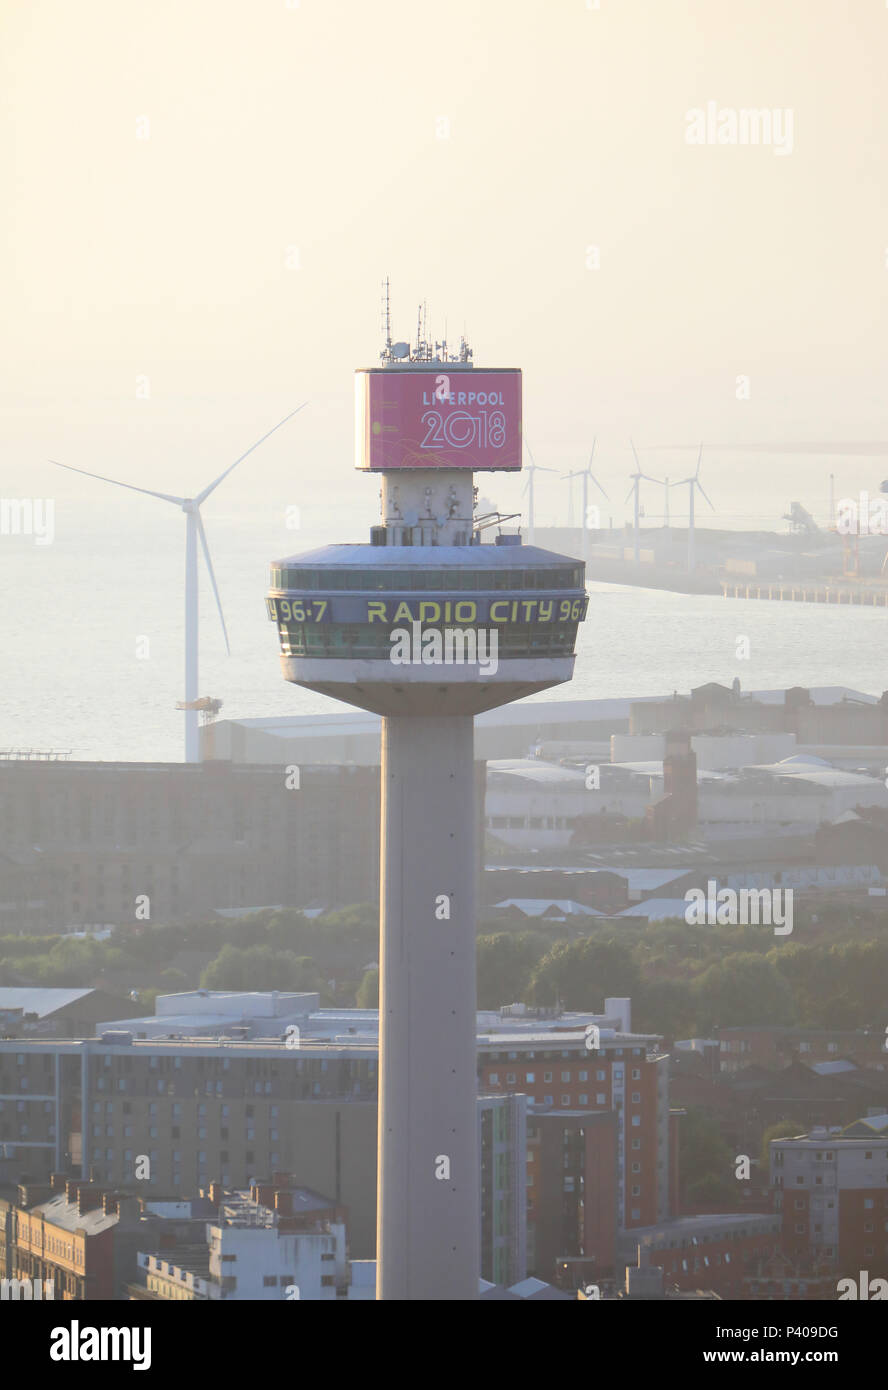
(400, 350)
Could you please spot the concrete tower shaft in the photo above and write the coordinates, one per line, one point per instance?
(428, 1200)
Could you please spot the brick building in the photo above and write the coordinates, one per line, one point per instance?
(831, 1190)
(572, 1195)
(626, 1074)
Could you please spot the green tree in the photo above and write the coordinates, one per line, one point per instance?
(583, 973)
(705, 1162)
(665, 1006)
(742, 989)
(259, 968)
(367, 995)
(783, 1129)
(505, 961)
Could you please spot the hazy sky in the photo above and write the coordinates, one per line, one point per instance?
(318, 127)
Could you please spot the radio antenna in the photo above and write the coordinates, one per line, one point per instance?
(386, 314)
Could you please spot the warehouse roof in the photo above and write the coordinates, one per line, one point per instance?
(41, 1002)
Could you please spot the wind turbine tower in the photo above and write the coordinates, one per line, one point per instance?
(693, 484)
(532, 469)
(637, 478)
(194, 531)
(586, 473)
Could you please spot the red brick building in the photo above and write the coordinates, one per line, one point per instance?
(625, 1073)
(571, 1195)
(831, 1190)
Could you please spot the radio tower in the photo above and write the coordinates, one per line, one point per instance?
(484, 624)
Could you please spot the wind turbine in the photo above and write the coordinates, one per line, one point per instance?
(193, 529)
(693, 482)
(636, 481)
(528, 488)
(586, 473)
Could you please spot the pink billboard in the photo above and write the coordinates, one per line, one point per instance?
(440, 418)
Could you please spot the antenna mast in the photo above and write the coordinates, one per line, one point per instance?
(386, 313)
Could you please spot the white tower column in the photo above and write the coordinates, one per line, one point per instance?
(428, 1186)
(192, 745)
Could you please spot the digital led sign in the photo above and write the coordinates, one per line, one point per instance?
(499, 609)
(440, 418)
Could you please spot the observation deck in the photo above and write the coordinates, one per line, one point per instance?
(337, 610)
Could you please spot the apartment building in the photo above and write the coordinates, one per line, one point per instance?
(572, 1170)
(831, 1189)
(170, 1117)
(503, 1164)
(173, 1116)
(625, 1073)
(773, 1046)
(275, 1241)
(63, 1233)
(706, 1252)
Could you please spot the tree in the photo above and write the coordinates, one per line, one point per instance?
(505, 961)
(367, 995)
(840, 986)
(705, 1163)
(665, 1006)
(742, 989)
(783, 1129)
(259, 968)
(581, 974)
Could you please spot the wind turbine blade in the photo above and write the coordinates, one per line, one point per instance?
(700, 486)
(592, 455)
(598, 485)
(202, 496)
(629, 494)
(635, 454)
(206, 551)
(164, 496)
(699, 459)
(529, 454)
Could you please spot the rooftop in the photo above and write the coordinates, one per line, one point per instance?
(58, 1211)
(41, 1002)
(439, 557)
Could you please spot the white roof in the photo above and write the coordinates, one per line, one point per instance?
(639, 879)
(876, 1122)
(826, 776)
(535, 770)
(41, 1002)
(657, 909)
(804, 758)
(537, 907)
(525, 1287)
